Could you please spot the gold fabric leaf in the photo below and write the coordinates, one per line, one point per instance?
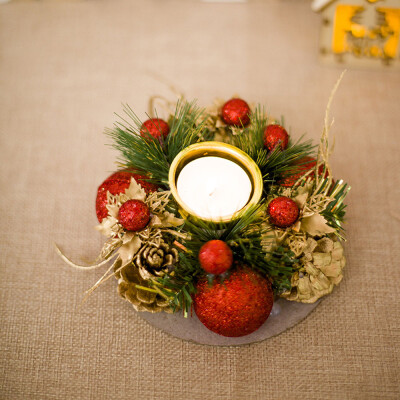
(129, 249)
(168, 220)
(135, 191)
(302, 195)
(113, 210)
(316, 225)
(107, 226)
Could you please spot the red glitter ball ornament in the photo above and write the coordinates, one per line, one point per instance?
(134, 215)
(283, 212)
(215, 257)
(305, 164)
(155, 127)
(236, 112)
(237, 306)
(117, 183)
(275, 135)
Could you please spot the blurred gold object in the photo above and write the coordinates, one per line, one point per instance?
(360, 33)
(137, 291)
(321, 269)
(223, 150)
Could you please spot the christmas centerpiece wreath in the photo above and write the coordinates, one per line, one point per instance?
(219, 212)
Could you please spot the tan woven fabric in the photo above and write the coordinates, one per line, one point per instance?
(64, 69)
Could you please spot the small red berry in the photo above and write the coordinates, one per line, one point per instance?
(236, 112)
(134, 215)
(155, 127)
(215, 257)
(283, 212)
(274, 135)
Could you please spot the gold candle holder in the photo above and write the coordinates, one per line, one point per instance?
(223, 150)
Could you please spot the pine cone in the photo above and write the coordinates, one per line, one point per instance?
(321, 269)
(141, 299)
(156, 259)
(152, 261)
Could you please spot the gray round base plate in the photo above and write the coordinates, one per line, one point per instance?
(284, 315)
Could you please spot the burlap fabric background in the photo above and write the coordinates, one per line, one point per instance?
(64, 69)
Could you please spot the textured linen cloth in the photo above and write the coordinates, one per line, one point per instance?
(65, 67)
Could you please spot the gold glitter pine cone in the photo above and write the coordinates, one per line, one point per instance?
(152, 261)
(321, 269)
(155, 260)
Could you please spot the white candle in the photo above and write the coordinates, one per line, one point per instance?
(214, 187)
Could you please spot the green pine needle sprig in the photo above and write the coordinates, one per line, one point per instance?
(187, 127)
(244, 236)
(276, 164)
(335, 211)
(151, 156)
(278, 264)
(251, 141)
(180, 286)
(282, 164)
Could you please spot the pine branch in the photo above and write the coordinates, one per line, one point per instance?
(244, 236)
(278, 264)
(139, 155)
(151, 156)
(282, 164)
(187, 127)
(179, 286)
(203, 231)
(251, 141)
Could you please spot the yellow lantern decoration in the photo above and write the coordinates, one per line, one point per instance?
(360, 33)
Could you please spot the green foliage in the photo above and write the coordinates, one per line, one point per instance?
(187, 127)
